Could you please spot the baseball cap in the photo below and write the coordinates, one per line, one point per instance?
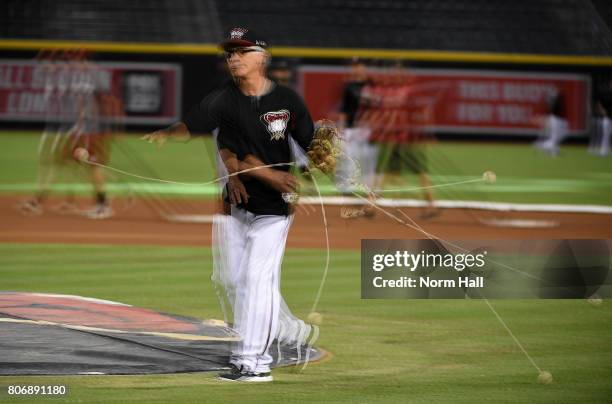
(242, 37)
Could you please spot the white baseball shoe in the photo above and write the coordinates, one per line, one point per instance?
(245, 377)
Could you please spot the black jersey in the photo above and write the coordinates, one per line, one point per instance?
(259, 126)
(351, 101)
(605, 99)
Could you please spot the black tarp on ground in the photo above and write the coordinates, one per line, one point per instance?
(42, 334)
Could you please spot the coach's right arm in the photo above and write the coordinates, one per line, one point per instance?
(201, 119)
(178, 132)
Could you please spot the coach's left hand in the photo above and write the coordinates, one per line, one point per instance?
(236, 191)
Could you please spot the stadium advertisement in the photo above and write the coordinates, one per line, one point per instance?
(466, 101)
(150, 92)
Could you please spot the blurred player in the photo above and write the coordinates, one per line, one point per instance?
(399, 130)
(50, 64)
(600, 140)
(91, 131)
(255, 118)
(554, 126)
(281, 73)
(60, 105)
(357, 150)
(72, 120)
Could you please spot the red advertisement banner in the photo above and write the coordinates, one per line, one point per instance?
(467, 101)
(149, 92)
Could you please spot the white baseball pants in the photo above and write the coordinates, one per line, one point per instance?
(600, 142)
(554, 132)
(358, 161)
(252, 250)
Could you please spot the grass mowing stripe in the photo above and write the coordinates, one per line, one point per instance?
(506, 184)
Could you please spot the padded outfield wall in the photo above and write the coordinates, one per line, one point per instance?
(494, 95)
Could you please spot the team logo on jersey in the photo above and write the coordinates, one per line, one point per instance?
(276, 123)
(237, 33)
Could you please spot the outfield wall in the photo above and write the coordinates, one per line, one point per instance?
(199, 72)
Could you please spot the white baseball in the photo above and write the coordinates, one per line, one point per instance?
(81, 154)
(489, 177)
(545, 377)
(315, 318)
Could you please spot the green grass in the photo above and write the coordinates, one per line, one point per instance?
(383, 350)
(523, 174)
(183, 162)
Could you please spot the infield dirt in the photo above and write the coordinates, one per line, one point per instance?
(139, 224)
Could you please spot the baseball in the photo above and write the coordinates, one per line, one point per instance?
(81, 154)
(315, 318)
(489, 177)
(545, 377)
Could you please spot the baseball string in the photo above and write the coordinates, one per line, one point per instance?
(195, 184)
(382, 190)
(324, 277)
(327, 248)
(516, 340)
(431, 236)
(416, 227)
